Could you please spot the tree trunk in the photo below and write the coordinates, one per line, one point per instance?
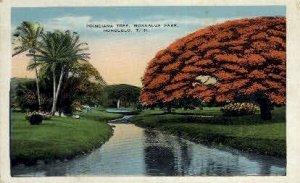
(60, 81)
(265, 108)
(58, 90)
(36, 77)
(169, 109)
(54, 93)
(265, 112)
(37, 83)
(38, 88)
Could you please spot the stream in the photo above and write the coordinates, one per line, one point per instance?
(135, 151)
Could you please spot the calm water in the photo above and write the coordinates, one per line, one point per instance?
(134, 151)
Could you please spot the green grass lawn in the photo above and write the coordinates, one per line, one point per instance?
(248, 133)
(59, 137)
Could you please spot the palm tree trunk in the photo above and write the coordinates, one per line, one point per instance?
(37, 84)
(54, 93)
(60, 81)
(55, 97)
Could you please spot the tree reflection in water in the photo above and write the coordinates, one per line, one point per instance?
(165, 154)
(159, 157)
(186, 157)
(159, 161)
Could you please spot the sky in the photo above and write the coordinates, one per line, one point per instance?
(121, 57)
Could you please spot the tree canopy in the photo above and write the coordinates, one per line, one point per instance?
(60, 51)
(239, 57)
(127, 94)
(27, 37)
(81, 86)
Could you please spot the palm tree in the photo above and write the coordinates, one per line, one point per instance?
(59, 51)
(27, 37)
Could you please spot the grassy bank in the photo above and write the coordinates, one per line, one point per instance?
(248, 133)
(58, 138)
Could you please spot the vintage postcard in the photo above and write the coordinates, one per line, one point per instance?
(132, 92)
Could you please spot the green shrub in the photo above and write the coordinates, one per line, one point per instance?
(239, 109)
(35, 119)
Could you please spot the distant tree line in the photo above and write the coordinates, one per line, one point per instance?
(121, 95)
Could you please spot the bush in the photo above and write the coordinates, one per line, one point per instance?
(35, 119)
(76, 106)
(45, 115)
(239, 109)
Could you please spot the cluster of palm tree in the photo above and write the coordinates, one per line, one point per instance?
(56, 51)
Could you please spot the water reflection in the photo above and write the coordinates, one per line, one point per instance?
(170, 155)
(134, 151)
(159, 161)
(186, 156)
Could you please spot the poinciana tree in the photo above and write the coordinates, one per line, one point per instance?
(26, 38)
(59, 51)
(244, 57)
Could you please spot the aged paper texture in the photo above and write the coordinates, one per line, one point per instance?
(124, 39)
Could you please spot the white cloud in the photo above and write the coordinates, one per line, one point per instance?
(183, 20)
(67, 22)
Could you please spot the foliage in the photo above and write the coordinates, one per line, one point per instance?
(58, 48)
(58, 51)
(35, 119)
(75, 94)
(83, 85)
(127, 94)
(80, 87)
(76, 106)
(239, 109)
(26, 38)
(23, 94)
(58, 54)
(246, 56)
(86, 71)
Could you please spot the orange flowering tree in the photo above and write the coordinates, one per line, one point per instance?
(245, 57)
